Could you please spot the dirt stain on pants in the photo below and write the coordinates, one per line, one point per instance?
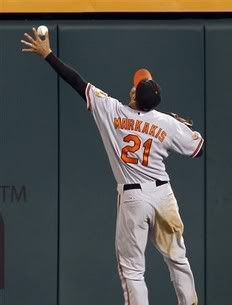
(167, 235)
(168, 229)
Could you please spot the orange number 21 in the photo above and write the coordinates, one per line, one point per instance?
(134, 147)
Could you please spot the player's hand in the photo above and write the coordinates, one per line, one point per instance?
(36, 45)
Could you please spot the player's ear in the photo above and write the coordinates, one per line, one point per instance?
(132, 93)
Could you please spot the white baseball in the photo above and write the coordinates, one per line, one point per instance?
(42, 30)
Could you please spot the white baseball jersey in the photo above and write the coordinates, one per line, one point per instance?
(138, 142)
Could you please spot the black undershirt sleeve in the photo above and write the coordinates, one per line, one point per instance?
(68, 74)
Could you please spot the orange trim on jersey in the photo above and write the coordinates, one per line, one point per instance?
(199, 146)
(88, 99)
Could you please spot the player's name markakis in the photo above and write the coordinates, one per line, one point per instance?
(140, 126)
(13, 194)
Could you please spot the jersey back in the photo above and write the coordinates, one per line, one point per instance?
(138, 142)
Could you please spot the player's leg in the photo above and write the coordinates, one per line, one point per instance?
(131, 238)
(120, 272)
(183, 281)
(167, 236)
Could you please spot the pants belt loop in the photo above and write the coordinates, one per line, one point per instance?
(120, 188)
(148, 186)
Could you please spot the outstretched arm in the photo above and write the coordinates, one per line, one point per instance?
(42, 48)
(68, 74)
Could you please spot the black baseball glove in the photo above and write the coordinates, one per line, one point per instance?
(187, 121)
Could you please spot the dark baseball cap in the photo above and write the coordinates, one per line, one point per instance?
(148, 95)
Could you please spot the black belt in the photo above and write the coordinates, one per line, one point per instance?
(138, 186)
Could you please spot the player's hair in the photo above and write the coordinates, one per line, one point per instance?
(148, 95)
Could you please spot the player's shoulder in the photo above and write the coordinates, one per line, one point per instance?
(164, 117)
(98, 93)
(101, 95)
(168, 122)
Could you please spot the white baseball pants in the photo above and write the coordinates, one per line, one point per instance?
(151, 211)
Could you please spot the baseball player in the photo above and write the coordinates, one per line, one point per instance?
(138, 139)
